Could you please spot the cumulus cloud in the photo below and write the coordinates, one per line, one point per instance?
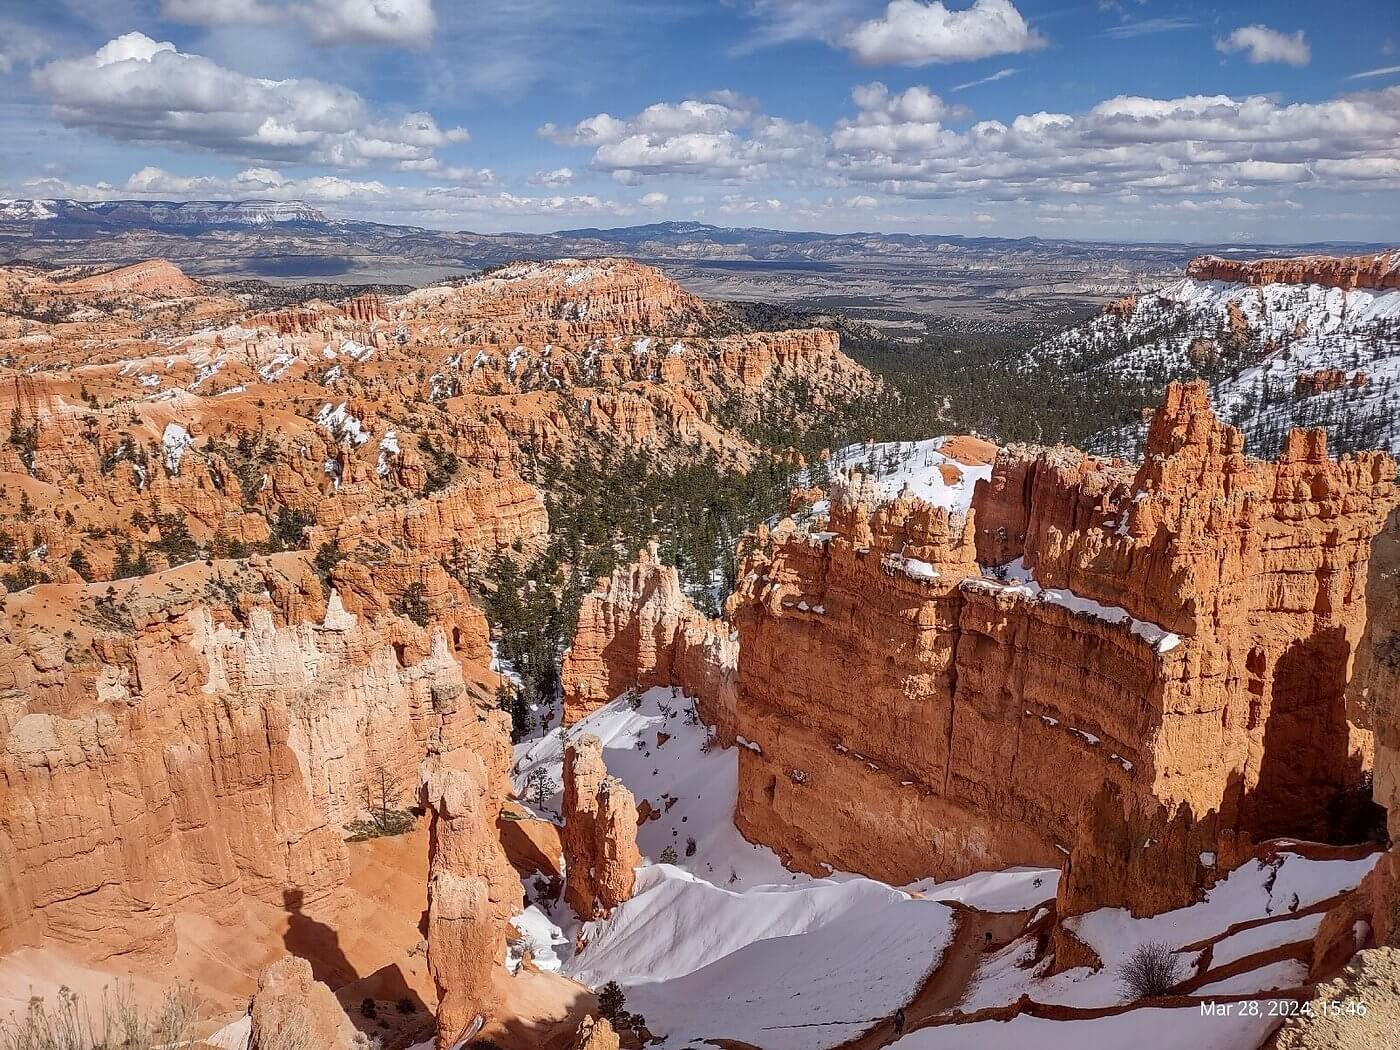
(728, 139)
(1202, 145)
(557, 177)
(914, 144)
(138, 89)
(654, 200)
(912, 33)
(1267, 45)
(901, 124)
(401, 23)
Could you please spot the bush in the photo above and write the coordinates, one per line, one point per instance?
(368, 1008)
(1149, 971)
(118, 1024)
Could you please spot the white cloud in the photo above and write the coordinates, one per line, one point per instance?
(1384, 71)
(408, 23)
(911, 33)
(654, 200)
(862, 202)
(354, 196)
(1000, 74)
(1207, 145)
(700, 138)
(137, 89)
(402, 23)
(557, 177)
(1148, 27)
(1267, 45)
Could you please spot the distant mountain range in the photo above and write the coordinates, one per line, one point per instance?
(57, 216)
(187, 216)
(985, 284)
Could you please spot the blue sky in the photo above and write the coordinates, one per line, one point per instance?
(1119, 119)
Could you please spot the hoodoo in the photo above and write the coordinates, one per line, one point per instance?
(600, 832)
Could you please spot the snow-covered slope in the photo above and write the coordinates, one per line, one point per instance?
(726, 944)
(1262, 347)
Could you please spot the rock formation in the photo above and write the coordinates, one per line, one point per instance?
(600, 832)
(1379, 272)
(1155, 655)
(596, 1034)
(190, 739)
(291, 1009)
(638, 629)
(472, 889)
(1372, 983)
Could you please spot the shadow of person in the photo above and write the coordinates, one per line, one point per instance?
(315, 942)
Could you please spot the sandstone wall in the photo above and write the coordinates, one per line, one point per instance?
(1181, 677)
(600, 832)
(637, 628)
(1360, 271)
(472, 889)
(181, 760)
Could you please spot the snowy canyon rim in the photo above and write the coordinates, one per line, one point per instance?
(322, 493)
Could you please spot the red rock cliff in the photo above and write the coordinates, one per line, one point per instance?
(1357, 271)
(637, 628)
(1184, 666)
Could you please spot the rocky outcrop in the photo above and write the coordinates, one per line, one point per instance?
(1359, 271)
(472, 889)
(1359, 1010)
(600, 832)
(160, 755)
(291, 1009)
(638, 629)
(154, 277)
(1159, 653)
(596, 1033)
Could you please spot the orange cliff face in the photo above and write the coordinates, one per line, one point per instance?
(1360, 271)
(637, 628)
(1185, 664)
(600, 832)
(472, 889)
(199, 738)
(1150, 675)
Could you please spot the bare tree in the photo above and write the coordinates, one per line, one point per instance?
(384, 786)
(1149, 971)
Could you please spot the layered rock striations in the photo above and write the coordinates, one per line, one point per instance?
(600, 832)
(188, 741)
(638, 629)
(1149, 676)
(150, 413)
(1381, 271)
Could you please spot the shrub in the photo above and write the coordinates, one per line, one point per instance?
(668, 855)
(368, 1008)
(1149, 971)
(118, 1023)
